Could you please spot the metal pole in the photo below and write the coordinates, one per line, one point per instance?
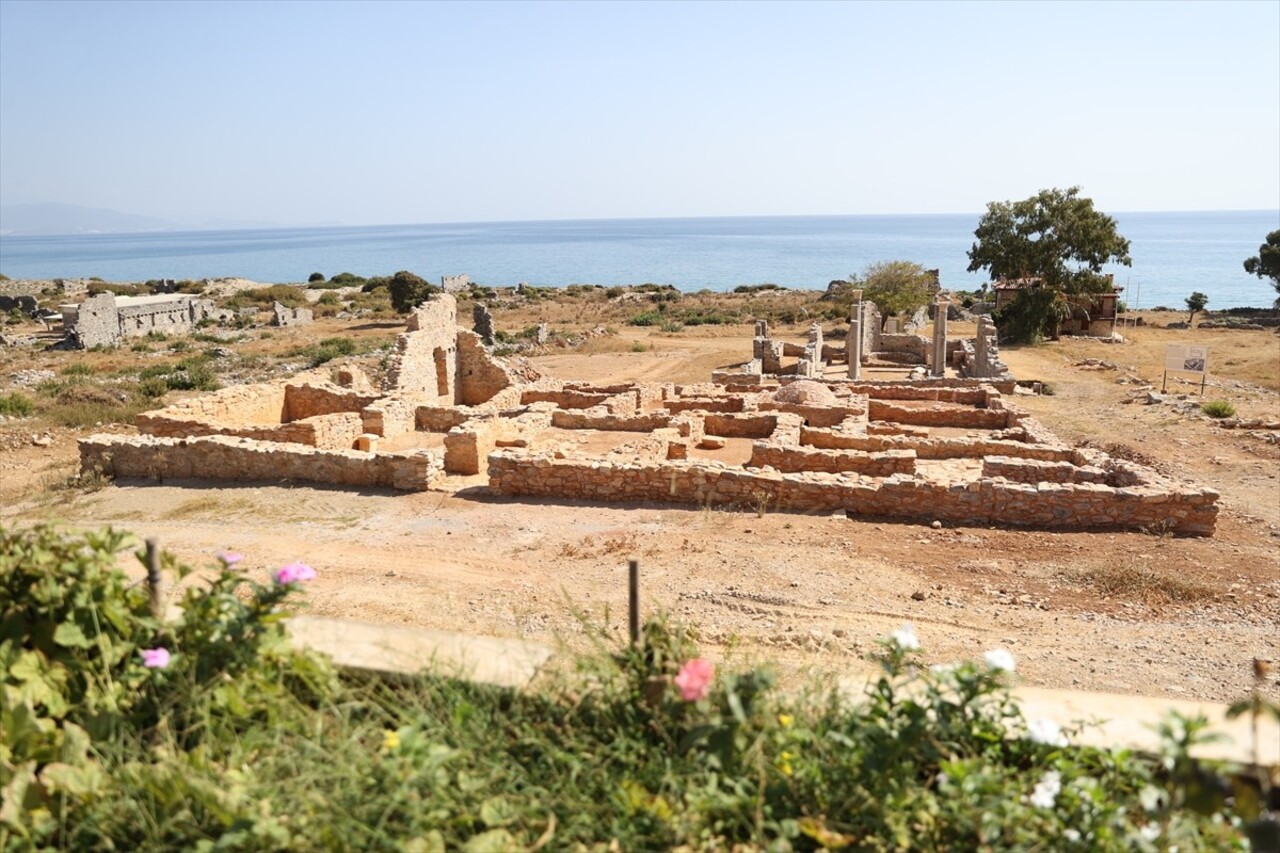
(154, 580)
(633, 594)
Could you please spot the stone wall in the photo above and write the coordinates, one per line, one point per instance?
(106, 320)
(425, 363)
(1035, 471)
(941, 414)
(481, 377)
(791, 459)
(902, 349)
(240, 459)
(936, 448)
(985, 501)
(455, 283)
(282, 315)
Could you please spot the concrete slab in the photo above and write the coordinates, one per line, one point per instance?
(406, 651)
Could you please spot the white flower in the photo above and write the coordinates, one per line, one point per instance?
(1072, 835)
(1047, 732)
(999, 659)
(1045, 796)
(1150, 832)
(905, 638)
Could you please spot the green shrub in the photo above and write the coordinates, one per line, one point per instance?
(99, 286)
(1218, 409)
(190, 374)
(757, 288)
(326, 350)
(346, 279)
(646, 318)
(78, 369)
(614, 292)
(672, 326)
(15, 404)
(315, 276)
(262, 297)
(153, 387)
(408, 291)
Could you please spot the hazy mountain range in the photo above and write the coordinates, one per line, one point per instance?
(51, 218)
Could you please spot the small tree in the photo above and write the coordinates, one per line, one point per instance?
(896, 287)
(1196, 302)
(408, 291)
(1057, 240)
(1266, 264)
(315, 276)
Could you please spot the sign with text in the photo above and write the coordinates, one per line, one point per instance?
(1186, 358)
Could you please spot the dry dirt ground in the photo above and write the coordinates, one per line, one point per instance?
(1139, 613)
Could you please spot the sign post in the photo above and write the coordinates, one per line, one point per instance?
(1186, 358)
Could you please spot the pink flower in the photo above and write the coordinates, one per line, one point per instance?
(157, 658)
(295, 573)
(229, 558)
(695, 679)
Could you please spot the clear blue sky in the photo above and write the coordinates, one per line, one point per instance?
(370, 113)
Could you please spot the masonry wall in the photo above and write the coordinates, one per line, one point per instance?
(941, 414)
(790, 459)
(425, 363)
(936, 448)
(985, 501)
(240, 459)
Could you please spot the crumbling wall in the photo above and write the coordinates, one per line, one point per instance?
(425, 363)
(1035, 471)
(791, 459)
(941, 414)
(282, 315)
(985, 501)
(219, 457)
(936, 448)
(481, 376)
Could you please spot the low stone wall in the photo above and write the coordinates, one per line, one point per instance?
(942, 414)
(241, 405)
(565, 398)
(818, 416)
(240, 459)
(308, 399)
(729, 425)
(1036, 471)
(599, 419)
(925, 389)
(791, 459)
(936, 448)
(984, 501)
(390, 417)
(705, 404)
(440, 419)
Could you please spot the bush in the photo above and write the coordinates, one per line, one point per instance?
(211, 733)
(672, 326)
(262, 297)
(15, 404)
(1218, 409)
(646, 318)
(614, 292)
(315, 276)
(408, 291)
(191, 374)
(325, 351)
(757, 288)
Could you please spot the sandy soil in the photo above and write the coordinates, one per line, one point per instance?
(1123, 612)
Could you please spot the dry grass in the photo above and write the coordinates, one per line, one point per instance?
(1138, 584)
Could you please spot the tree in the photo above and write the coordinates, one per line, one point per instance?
(408, 291)
(1055, 241)
(1266, 264)
(1196, 302)
(315, 276)
(896, 287)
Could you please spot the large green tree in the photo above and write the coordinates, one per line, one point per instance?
(1266, 264)
(1058, 241)
(409, 290)
(896, 287)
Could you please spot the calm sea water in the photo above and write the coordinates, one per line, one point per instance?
(1173, 253)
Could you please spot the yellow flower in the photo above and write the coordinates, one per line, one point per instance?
(784, 763)
(390, 740)
(786, 720)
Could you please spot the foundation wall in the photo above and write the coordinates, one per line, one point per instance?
(940, 415)
(986, 501)
(791, 459)
(240, 459)
(740, 426)
(306, 400)
(242, 405)
(936, 448)
(818, 416)
(390, 417)
(597, 419)
(1035, 471)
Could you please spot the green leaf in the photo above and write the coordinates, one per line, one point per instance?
(70, 635)
(497, 811)
(493, 841)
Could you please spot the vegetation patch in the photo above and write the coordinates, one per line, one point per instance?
(15, 404)
(125, 732)
(1218, 409)
(1139, 583)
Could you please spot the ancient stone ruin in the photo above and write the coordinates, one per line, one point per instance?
(938, 449)
(282, 315)
(107, 319)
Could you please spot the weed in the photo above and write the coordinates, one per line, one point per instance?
(646, 318)
(325, 351)
(1138, 583)
(639, 346)
(15, 404)
(1218, 409)
(78, 369)
(672, 326)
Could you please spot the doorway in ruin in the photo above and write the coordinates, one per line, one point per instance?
(442, 373)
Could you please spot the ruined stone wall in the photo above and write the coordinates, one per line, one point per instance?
(390, 417)
(818, 416)
(603, 420)
(729, 425)
(282, 315)
(425, 363)
(936, 448)
(565, 398)
(240, 405)
(480, 376)
(985, 501)
(705, 404)
(439, 418)
(239, 459)
(791, 459)
(941, 414)
(1035, 471)
(308, 399)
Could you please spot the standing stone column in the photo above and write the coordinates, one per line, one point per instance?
(940, 336)
(853, 341)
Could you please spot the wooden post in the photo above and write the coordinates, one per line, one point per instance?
(154, 580)
(633, 595)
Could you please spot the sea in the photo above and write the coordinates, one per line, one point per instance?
(1174, 253)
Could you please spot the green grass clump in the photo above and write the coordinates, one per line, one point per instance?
(214, 733)
(326, 350)
(647, 318)
(15, 404)
(193, 373)
(262, 297)
(1218, 409)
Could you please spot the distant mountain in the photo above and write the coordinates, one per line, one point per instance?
(51, 218)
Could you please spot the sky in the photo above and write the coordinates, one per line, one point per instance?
(375, 113)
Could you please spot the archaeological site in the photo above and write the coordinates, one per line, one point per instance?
(794, 429)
